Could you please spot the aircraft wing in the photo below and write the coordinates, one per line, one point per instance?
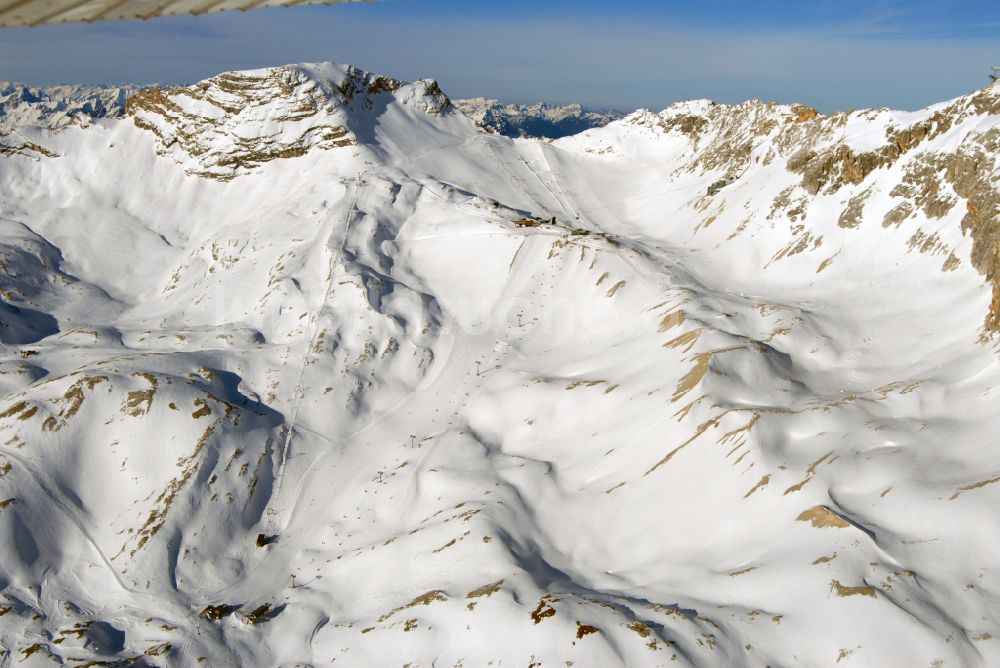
(39, 12)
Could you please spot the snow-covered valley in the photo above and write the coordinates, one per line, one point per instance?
(301, 366)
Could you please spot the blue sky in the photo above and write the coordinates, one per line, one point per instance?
(618, 54)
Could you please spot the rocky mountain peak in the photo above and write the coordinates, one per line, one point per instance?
(239, 120)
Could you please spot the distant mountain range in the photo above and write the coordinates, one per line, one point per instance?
(54, 106)
(534, 120)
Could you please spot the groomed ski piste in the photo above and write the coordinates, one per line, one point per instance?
(301, 366)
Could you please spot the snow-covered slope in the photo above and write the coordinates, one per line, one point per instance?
(714, 386)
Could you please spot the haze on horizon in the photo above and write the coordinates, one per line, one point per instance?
(622, 55)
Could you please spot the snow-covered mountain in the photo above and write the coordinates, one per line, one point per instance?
(55, 106)
(534, 120)
(301, 366)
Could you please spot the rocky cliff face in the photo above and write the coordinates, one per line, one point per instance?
(302, 366)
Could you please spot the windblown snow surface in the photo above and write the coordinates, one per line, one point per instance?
(715, 386)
